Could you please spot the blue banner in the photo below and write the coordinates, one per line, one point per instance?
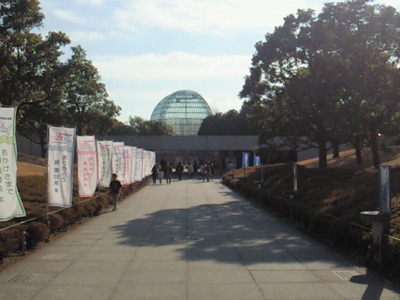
(245, 159)
(384, 172)
(257, 160)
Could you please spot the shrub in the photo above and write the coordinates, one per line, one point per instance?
(33, 193)
(10, 241)
(56, 223)
(70, 216)
(36, 232)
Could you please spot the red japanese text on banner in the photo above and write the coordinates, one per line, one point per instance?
(60, 163)
(104, 158)
(87, 165)
(118, 161)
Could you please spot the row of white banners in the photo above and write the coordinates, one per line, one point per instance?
(97, 161)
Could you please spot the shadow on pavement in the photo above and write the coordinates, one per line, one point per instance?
(233, 232)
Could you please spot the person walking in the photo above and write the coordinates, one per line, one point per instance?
(195, 167)
(208, 171)
(202, 171)
(168, 173)
(190, 171)
(154, 174)
(115, 190)
(179, 170)
(160, 175)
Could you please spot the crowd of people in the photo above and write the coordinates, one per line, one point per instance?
(164, 170)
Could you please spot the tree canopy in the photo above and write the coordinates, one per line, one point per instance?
(45, 90)
(145, 127)
(229, 123)
(331, 77)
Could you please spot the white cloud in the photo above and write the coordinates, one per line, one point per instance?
(207, 16)
(394, 3)
(171, 67)
(138, 83)
(78, 37)
(89, 2)
(69, 15)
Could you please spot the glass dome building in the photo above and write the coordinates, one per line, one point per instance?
(183, 110)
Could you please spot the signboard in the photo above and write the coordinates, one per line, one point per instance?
(10, 200)
(60, 162)
(104, 159)
(87, 165)
(245, 159)
(118, 161)
(384, 189)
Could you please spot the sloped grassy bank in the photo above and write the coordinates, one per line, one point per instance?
(327, 206)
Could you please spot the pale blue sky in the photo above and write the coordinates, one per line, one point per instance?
(147, 49)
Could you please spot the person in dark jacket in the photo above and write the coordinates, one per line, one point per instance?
(115, 190)
(154, 174)
(168, 173)
(179, 170)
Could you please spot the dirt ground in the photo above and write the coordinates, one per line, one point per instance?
(347, 159)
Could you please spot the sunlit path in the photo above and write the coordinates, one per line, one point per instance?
(188, 240)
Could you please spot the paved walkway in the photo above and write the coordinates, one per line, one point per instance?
(189, 240)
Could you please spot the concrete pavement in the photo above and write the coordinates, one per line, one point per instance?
(188, 240)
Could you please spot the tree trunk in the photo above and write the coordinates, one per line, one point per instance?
(357, 147)
(374, 148)
(43, 148)
(336, 152)
(322, 153)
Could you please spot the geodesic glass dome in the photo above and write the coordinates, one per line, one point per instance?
(183, 110)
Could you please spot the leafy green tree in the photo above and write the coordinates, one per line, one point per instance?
(331, 77)
(45, 90)
(229, 123)
(119, 128)
(30, 70)
(86, 97)
(366, 38)
(49, 81)
(290, 79)
(17, 47)
(144, 127)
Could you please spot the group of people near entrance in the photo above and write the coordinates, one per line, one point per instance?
(164, 171)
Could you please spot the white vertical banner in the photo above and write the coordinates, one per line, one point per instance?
(118, 160)
(147, 163)
(60, 165)
(133, 164)
(128, 151)
(104, 159)
(87, 165)
(138, 164)
(10, 200)
(153, 161)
